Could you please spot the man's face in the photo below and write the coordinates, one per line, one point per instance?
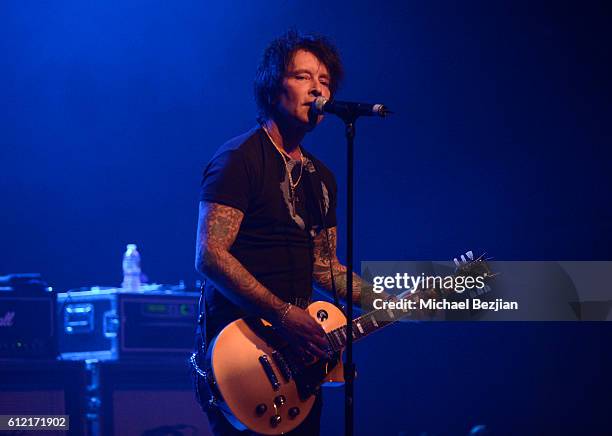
(306, 79)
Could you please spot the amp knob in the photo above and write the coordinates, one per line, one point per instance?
(261, 409)
(280, 400)
(294, 411)
(275, 420)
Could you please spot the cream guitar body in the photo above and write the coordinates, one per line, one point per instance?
(262, 386)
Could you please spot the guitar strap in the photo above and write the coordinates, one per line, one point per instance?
(316, 187)
(201, 344)
(197, 361)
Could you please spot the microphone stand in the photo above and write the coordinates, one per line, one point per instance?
(349, 115)
(349, 118)
(349, 366)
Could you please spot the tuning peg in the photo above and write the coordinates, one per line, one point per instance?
(457, 264)
(470, 255)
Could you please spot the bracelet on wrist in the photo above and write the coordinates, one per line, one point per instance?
(281, 320)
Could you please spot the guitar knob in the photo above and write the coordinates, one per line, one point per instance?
(261, 409)
(275, 420)
(280, 400)
(294, 411)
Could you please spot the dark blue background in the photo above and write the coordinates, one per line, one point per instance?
(500, 142)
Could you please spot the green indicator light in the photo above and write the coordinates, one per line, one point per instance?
(184, 309)
(157, 308)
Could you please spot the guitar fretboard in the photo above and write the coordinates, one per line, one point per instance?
(377, 319)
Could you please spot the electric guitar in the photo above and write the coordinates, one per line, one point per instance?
(260, 384)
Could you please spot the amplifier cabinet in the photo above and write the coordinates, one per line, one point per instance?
(109, 324)
(44, 387)
(146, 398)
(27, 325)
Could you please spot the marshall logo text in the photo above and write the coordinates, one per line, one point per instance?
(7, 319)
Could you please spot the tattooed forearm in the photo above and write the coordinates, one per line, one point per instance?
(218, 226)
(321, 270)
(323, 280)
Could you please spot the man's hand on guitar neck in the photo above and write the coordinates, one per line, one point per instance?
(303, 333)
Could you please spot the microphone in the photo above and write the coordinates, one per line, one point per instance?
(348, 109)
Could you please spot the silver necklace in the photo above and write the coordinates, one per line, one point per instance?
(292, 186)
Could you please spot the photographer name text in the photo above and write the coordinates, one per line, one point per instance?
(444, 304)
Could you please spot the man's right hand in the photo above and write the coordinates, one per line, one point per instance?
(306, 336)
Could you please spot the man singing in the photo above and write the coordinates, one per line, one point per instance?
(264, 204)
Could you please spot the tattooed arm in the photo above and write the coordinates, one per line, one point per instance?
(218, 227)
(321, 273)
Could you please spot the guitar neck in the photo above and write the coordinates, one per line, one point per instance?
(370, 322)
(377, 319)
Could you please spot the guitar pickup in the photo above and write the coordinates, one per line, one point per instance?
(282, 365)
(265, 363)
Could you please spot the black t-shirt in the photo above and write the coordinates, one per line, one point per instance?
(274, 242)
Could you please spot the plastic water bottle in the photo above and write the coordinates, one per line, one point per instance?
(131, 268)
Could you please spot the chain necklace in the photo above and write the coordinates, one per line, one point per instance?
(293, 186)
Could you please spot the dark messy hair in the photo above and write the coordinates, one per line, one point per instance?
(276, 59)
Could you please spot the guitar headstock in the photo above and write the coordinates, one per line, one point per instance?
(467, 265)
